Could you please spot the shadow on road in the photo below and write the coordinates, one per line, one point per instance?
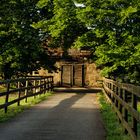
(64, 116)
(68, 102)
(77, 90)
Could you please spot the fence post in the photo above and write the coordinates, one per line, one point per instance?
(52, 83)
(34, 88)
(61, 75)
(39, 86)
(19, 93)
(134, 121)
(112, 90)
(108, 85)
(7, 97)
(113, 98)
(125, 111)
(26, 90)
(49, 84)
(83, 75)
(116, 101)
(119, 103)
(44, 85)
(121, 96)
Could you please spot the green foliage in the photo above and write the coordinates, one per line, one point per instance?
(87, 40)
(42, 3)
(115, 27)
(20, 43)
(109, 28)
(63, 27)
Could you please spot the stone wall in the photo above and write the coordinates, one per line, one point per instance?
(56, 75)
(92, 74)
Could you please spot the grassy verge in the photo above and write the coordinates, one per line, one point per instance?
(113, 128)
(13, 110)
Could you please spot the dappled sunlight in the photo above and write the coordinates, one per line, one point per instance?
(82, 104)
(80, 98)
(58, 101)
(50, 105)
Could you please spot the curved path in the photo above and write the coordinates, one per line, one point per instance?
(67, 115)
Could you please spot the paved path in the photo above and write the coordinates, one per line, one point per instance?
(64, 116)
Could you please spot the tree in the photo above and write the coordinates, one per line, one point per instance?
(115, 27)
(20, 51)
(63, 26)
(110, 28)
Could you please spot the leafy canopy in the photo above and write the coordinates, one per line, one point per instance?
(20, 51)
(110, 28)
(115, 36)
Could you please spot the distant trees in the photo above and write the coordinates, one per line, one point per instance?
(109, 27)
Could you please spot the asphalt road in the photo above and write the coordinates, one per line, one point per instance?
(67, 115)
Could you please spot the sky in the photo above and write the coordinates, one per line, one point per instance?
(79, 5)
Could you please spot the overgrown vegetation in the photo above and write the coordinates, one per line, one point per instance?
(110, 28)
(114, 129)
(114, 28)
(14, 110)
(20, 43)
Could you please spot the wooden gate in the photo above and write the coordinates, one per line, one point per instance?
(72, 75)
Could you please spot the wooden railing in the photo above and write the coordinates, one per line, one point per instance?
(23, 88)
(124, 98)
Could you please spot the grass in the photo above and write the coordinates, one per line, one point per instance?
(2, 88)
(13, 110)
(114, 129)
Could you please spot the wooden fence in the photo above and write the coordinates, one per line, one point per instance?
(124, 98)
(24, 88)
